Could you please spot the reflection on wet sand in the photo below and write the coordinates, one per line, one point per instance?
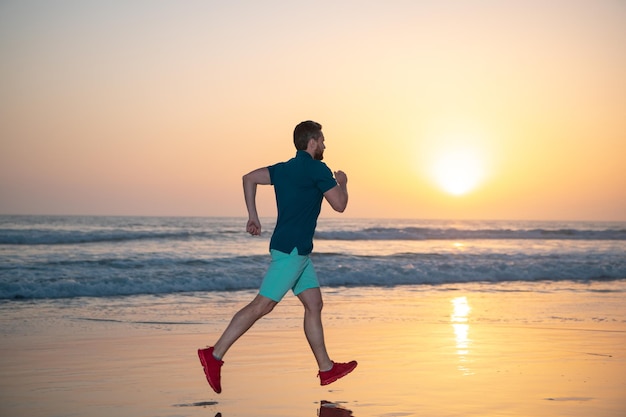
(460, 324)
(329, 409)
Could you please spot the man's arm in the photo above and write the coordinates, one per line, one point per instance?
(250, 181)
(337, 196)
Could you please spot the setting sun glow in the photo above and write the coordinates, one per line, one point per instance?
(455, 154)
(458, 171)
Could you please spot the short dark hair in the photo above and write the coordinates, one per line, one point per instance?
(304, 132)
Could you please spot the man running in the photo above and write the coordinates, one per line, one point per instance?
(300, 185)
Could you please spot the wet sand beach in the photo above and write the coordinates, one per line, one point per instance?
(467, 350)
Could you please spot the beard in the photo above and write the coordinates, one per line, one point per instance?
(319, 154)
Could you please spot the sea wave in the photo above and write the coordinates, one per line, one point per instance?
(129, 276)
(427, 233)
(73, 237)
(65, 257)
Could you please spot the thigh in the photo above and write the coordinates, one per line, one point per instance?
(282, 274)
(307, 280)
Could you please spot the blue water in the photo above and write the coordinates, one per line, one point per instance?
(66, 257)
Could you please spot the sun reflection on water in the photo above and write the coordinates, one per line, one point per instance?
(459, 320)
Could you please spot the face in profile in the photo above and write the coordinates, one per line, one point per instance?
(319, 150)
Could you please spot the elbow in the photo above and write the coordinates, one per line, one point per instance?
(341, 207)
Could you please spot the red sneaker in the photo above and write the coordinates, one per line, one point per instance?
(212, 368)
(339, 370)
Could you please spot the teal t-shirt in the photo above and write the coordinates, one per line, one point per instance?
(299, 185)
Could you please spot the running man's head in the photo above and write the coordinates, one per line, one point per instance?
(304, 133)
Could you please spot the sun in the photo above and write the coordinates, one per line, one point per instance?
(455, 155)
(458, 171)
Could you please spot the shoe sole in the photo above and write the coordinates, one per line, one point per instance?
(206, 372)
(336, 377)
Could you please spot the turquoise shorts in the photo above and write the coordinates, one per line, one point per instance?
(288, 272)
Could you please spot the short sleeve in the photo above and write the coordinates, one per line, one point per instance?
(272, 170)
(324, 178)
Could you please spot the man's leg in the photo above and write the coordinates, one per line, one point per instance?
(211, 357)
(312, 301)
(241, 322)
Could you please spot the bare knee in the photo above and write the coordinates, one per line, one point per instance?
(262, 305)
(312, 300)
(314, 306)
(266, 309)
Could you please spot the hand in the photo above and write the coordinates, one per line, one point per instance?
(341, 177)
(254, 227)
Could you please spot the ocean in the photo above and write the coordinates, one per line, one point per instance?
(59, 257)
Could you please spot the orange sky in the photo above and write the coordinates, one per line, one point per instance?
(159, 107)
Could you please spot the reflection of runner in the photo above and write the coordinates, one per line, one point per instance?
(300, 184)
(328, 409)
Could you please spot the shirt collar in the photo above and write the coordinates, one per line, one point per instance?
(303, 154)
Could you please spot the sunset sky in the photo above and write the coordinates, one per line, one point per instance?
(434, 109)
